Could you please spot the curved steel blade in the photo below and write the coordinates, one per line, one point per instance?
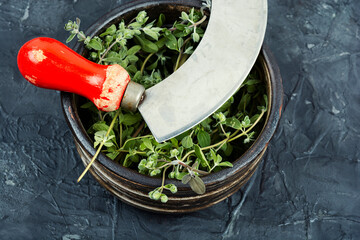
(213, 73)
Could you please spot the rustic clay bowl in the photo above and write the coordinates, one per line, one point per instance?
(133, 187)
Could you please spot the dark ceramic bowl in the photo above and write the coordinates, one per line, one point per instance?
(133, 187)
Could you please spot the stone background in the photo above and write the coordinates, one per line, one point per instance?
(307, 187)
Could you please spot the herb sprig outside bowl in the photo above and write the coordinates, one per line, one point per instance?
(150, 50)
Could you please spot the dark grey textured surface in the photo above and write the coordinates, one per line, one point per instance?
(308, 187)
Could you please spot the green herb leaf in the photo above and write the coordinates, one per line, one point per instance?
(95, 44)
(113, 59)
(218, 159)
(161, 20)
(109, 31)
(161, 42)
(133, 50)
(155, 195)
(189, 50)
(203, 138)
(132, 58)
(206, 124)
(127, 161)
(174, 142)
(180, 27)
(266, 101)
(187, 142)
(226, 106)
(186, 179)
(141, 17)
(246, 122)
(71, 37)
(100, 136)
(87, 105)
(200, 154)
(164, 198)
(171, 175)
(164, 146)
(180, 175)
(171, 187)
(151, 33)
(148, 144)
(250, 82)
(180, 43)
(197, 185)
(171, 42)
(191, 14)
(155, 172)
(233, 123)
(152, 66)
(174, 153)
(142, 165)
(227, 149)
(195, 37)
(112, 155)
(131, 69)
(244, 101)
(147, 45)
(220, 117)
(100, 126)
(129, 118)
(225, 164)
(109, 39)
(184, 16)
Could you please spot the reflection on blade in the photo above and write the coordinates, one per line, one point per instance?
(212, 74)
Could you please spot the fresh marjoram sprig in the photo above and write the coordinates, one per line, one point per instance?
(150, 51)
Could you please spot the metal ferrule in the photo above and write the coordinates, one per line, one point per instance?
(132, 97)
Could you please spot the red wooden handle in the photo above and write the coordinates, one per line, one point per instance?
(47, 63)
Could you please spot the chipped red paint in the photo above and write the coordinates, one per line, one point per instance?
(60, 68)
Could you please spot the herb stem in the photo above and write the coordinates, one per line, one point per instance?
(192, 169)
(177, 65)
(107, 50)
(144, 63)
(174, 28)
(126, 151)
(132, 20)
(234, 134)
(81, 35)
(178, 61)
(220, 146)
(204, 148)
(163, 180)
(120, 133)
(226, 139)
(249, 129)
(135, 138)
(139, 129)
(100, 146)
(199, 22)
(100, 115)
(165, 165)
(213, 168)
(222, 129)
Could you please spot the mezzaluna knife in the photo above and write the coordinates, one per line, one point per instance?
(198, 88)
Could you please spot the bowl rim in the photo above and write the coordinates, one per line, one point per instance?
(79, 132)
